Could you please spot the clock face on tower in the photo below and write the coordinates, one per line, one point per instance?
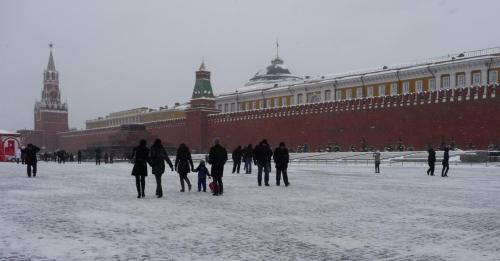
(53, 95)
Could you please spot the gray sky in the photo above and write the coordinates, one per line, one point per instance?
(115, 55)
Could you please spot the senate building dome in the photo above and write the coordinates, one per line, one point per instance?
(275, 72)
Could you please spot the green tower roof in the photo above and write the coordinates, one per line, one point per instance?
(202, 87)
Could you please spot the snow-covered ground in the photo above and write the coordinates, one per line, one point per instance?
(338, 212)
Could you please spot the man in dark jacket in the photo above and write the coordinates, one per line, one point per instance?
(31, 160)
(247, 157)
(262, 158)
(79, 157)
(281, 159)
(217, 158)
(98, 156)
(431, 160)
(237, 153)
(446, 162)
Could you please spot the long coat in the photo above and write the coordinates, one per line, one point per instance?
(183, 161)
(217, 157)
(432, 156)
(157, 159)
(237, 154)
(281, 158)
(140, 156)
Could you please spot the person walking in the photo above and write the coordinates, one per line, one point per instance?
(79, 157)
(262, 158)
(247, 158)
(236, 155)
(140, 170)
(98, 156)
(183, 164)
(18, 155)
(431, 160)
(217, 157)
(158, 156)
(202, 176)
(376, 156)
(281, 158)
(106, 158)
(446, 162)
(31, 160)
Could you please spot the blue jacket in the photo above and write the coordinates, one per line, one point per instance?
(202, 171)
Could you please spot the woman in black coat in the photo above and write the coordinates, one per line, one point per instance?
(183, 162)
(157, 159)
(140, 170)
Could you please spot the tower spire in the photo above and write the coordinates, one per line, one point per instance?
(277, 48)
(51, 66)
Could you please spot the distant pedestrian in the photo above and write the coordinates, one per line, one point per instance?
(262, 154)
(247, 158)
(202, 176)
(106, 158)
(31, 159)
(446, 162)
(376, 156)
(98, 156)
(79, 157)
(140, 170)
(281, 158)
(158, 156)
(431, 160)
(111, 157)
(217, 158)
(23, 156)
(237, 154)
(183, 165)
(18, 155)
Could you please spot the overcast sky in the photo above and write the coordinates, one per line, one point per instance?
(116, 55)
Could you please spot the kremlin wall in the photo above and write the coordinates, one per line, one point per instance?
(414, 115)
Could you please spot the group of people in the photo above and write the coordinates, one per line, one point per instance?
(156, 157)
(261, 156)
(431, 160)
(108, 158)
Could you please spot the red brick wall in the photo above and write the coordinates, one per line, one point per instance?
(455, 120)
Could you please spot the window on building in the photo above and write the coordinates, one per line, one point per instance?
(348, 94)
(268, 103)
(276, 102)
(418, 86)
(254, 105)
(233, 107)
(461, 79)
(381, 90)
(369, 91)
(476, 78)
(261, 104)
(338, 95)
(406, 87)
(394, 88)
(493, 78)
(300, 98)
(328, 95)
(432, 84)
(359, 93)
(283, 101)
(445, 82)
(219, 107)
(226, 107)
(244, 106)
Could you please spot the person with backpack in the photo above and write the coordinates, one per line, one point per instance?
(140, 156)
(183, 165)
(202, 176)
(281, 158)
(157, 157)
(217, 157)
